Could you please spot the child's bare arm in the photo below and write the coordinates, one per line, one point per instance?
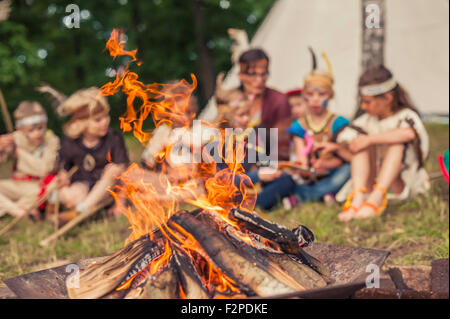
(396, 136)
(6, 141)
(7, 147)
(300, 145)
(327, 164)
(338, 148)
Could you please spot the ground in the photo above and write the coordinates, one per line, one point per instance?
(415, 232)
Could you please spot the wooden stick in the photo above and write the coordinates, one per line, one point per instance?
(6, 115)
(294, 168)
(74, 222)
(50, 188)
(56, 214)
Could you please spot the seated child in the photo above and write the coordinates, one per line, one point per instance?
(297, 102)
(390, 149)
(34, 150)
(234, 112)
(299, 110)
(314, 134)
(96, 150)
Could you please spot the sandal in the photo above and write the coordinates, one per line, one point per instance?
(348, 203)
(378, 210)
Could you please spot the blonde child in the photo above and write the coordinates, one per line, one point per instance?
(93, 147)
(314, 134)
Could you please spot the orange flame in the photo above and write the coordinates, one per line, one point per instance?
(154, 198)
(115, 46)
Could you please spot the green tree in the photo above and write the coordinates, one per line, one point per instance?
(172, 41)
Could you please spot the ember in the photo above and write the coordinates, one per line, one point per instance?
(221, 250)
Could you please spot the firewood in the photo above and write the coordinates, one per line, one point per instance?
(163, 285)
(287, 240)
(315, 264)
(260, 252)
(231, 231)
(302, 273)
(190, 281)
(284, 237)
(241, 268)
(99, 279)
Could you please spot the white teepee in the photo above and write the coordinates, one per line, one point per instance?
(416, 48)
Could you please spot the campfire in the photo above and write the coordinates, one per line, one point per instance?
(198, 255)
(222, 249)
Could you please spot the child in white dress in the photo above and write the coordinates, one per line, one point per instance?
(389, 148)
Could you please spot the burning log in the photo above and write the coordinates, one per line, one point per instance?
(280, 265)
(288, 240)
(201, 255)
(163, 285)
(282, 236)
(191, 283)
(241, 268)
(300, 272)
(101, 278)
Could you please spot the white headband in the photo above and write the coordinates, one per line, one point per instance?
(31, 120)
(377, 89)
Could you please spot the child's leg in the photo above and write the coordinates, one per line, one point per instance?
(8, 198)
(17, 197)
(29, 195)
(275, 191)
(99, 191)
(74, 194)
(389, 174)
(363, 170)
(330, 184)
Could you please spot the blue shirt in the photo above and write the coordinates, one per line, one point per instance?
(338, 123)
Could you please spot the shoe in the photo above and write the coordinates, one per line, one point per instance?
(349, 210)
(329, 199)
(34, 215)
(378, 210)
(290, 202)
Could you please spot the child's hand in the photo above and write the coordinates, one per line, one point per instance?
(360, 143)
(327, 147)
(267, 174)
(6, 141)
(63, 179)
(320, 166)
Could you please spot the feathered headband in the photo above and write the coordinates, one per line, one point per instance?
(319, 77)
(80, 106)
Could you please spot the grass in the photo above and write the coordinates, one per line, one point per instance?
(415, 232)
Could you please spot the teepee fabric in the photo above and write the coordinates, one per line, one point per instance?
(416, 48)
